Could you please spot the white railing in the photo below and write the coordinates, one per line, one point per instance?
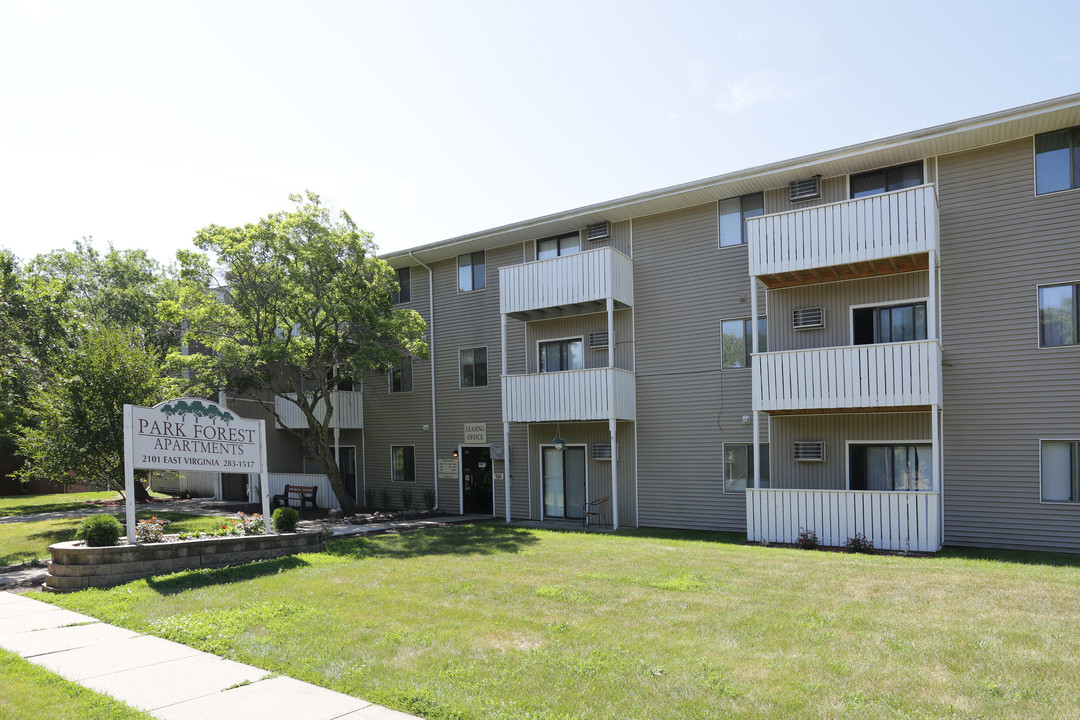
(567, 280)
(904, 222)
(570, 395)
(324, 498)
(903, 521)
(861, 376)
(348, 411)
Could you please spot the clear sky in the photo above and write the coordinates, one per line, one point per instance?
(140, 122)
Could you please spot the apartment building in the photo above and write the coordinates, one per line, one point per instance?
(881, 339)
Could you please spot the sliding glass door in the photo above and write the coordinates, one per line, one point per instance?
(564, 481)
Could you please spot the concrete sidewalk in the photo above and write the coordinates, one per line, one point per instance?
(166, 679)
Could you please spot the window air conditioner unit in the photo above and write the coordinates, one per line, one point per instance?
(601, 451)
(598, 231)
(808, 318)
(809, 451)
(802, 190)
(598, 339)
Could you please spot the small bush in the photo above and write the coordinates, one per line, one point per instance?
(150, 531)
(369, 497)
(860, 544)
(406, 498)
(285, 519)
(384, 499)
(100, 530)
(429, 499)
(807, 539)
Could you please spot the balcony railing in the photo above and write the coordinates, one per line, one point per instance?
(571, 395)
(576, 283)
(862, 376)
(904, 222)
(903, 521)
(348, 411)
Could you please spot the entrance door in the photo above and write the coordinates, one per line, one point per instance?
(347, 467)
(234, 486)
(476, 488)
(564, 482)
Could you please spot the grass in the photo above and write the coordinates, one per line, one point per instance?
(30, 504)
(487, 621)
(22, 542)
(28, 691)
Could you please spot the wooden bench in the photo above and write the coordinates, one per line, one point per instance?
(304, 494)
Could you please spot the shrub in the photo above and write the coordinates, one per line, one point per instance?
(252, 524)
(369, 497)
(860, 543)
(406, 498)
(384, 499)
(285, 519)
(100, 530)
(807, 539)
(429, 499)
(150, 531)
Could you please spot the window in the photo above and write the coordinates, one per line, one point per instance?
(404, 281)
(1058, 324)
(401, 376)
(736, 342)
(890, 467)
(886, 180)
(1057, 161)
(1060, 470)
(739, 466)
(733, 215)
(560, 355)
(894, 323)
(402, 465)
(473, 364)
(556, 246)
(471, 272)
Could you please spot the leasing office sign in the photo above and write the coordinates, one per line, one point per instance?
(194, 434)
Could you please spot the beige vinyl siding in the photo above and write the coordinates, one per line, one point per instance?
(1002, 392)
(837, 300)
(836, 431)
(620, 240)
(284, 451)
(834, 189)
(598, 472)
(580, 326)
(687, 407)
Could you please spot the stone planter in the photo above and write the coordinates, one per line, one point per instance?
(74, 566)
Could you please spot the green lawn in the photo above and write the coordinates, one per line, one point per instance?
(29, 504)
(22, 542)
(486, 621)
(28, 691)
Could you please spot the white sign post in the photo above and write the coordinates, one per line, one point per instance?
(191, 434)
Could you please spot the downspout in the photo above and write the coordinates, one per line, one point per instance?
(431, 354)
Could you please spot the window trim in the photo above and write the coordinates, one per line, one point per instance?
(1038, 314)
(1054, 503)
(934, 456)
(888, 304)
(850, 196)
(392, 479)
(408, 300)
(750, 475)
(558, 246)
(461, 368)
(747, 339)
(744, 241)
(457, 277)
(579, 338)
(401, 367)
(1035, 168)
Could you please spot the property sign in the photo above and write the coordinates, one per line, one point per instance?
(475, 433)
(194, 434)
(448, 469)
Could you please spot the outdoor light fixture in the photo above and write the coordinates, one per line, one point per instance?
(453, 454)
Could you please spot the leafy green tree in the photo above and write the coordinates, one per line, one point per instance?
(299, 304)
(79, 436)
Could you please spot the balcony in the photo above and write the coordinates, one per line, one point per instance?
(876, 235)
(891, 375)
(348, 411)
(570, 395)
(900, 521)
(567, 285)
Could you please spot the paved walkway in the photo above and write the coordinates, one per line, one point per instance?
(167, 679)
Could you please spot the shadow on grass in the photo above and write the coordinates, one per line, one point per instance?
(19, 510)
(709, 536)
(192, 579)
(1020, 557)
(473, 539)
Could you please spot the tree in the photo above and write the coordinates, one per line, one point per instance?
(79, 436)
(299, 304)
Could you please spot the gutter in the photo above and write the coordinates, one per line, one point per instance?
(431, 354)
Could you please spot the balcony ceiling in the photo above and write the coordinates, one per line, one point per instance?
(550, 313)
(847, 271)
